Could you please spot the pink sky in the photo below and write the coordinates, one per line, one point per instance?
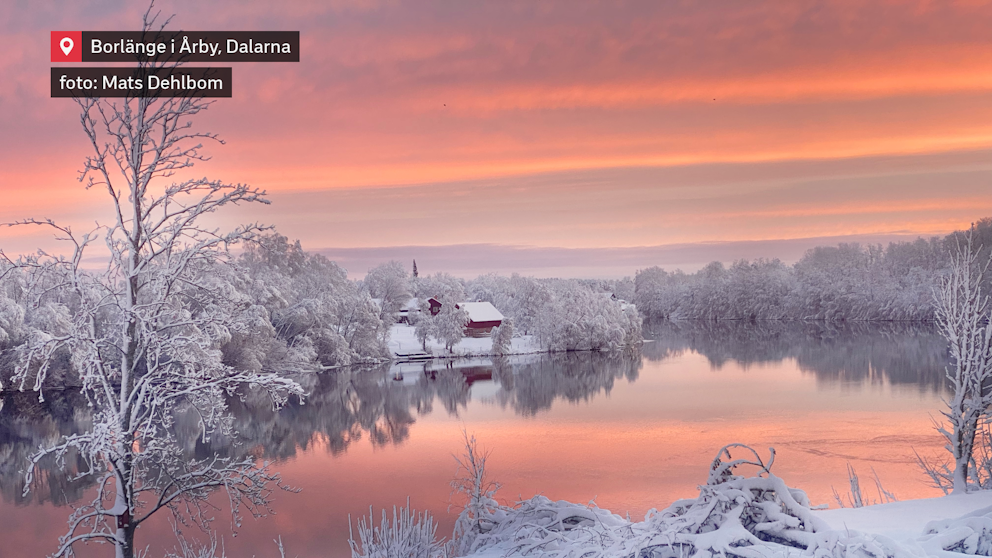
(558, 124)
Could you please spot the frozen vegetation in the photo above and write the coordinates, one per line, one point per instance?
(298, 310)
(743, 510)
(293, 310)
(551, 315)
(848, 282)
(759, 515)
(189, 341)
(286, 310)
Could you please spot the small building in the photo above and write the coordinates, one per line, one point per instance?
(411, 307)
(482, 316)
(435, 305)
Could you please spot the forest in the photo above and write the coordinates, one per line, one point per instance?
(286, 309)
(848, 282)
(292, 309)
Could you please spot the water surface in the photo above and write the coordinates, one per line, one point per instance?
(631, 431)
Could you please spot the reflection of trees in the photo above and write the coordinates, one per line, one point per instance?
(25, 425)
(344, 406)
(381, 403)
(900, 352)
(534, 386)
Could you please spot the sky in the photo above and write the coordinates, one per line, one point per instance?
(555, 138)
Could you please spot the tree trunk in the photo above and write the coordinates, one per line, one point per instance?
(124, 546)
(964, 449)
(125, 531)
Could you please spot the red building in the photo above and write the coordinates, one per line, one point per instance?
(482, 316)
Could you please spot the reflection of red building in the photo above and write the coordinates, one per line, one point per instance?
(482, 316)
(477, 374)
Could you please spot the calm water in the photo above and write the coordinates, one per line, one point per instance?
(631, 431)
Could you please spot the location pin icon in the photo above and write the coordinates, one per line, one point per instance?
(66, 45)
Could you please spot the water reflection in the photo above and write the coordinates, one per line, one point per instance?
(380, 404)
(27, 423)
(897, 352)
(343, 407)
(529, 388)
(348, 405)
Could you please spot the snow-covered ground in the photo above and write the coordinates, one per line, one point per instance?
(938, 527)
(907, 521)
(402, 341)
(733, 516)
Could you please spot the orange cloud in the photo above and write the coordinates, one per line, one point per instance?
(387, 94)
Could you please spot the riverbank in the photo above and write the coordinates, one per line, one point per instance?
(403, 345)
(749, 517)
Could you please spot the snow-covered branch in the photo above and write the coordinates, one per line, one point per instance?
(145, 336)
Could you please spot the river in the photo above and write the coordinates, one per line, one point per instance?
(628, 431)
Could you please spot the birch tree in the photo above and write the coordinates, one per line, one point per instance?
(962, 315)
(145, 333)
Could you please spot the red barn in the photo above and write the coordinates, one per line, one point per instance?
(482, 316)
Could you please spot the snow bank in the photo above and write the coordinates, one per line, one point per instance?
(744, 517)
(905, 520)
(402, 342)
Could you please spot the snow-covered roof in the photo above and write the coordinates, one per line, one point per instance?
(481, 311)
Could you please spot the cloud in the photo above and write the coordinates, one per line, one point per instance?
(573, 124)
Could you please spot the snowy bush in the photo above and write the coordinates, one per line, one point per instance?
(733, 516)
(481, 511)
(971, 534)
(408, 535)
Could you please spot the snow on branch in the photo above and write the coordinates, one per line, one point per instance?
(962, 313)
(146, 335)
(734, 515)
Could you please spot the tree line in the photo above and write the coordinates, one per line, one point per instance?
(848, 282)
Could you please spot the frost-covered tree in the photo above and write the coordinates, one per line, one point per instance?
(576, 318)
(564, 315)
(388, 283)
(440, 285)
(450, 324)
(145, 334)
(847, 282)
(962, 311)
(316, 312)
(425, 328)
(502, 337)
(11, 321)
